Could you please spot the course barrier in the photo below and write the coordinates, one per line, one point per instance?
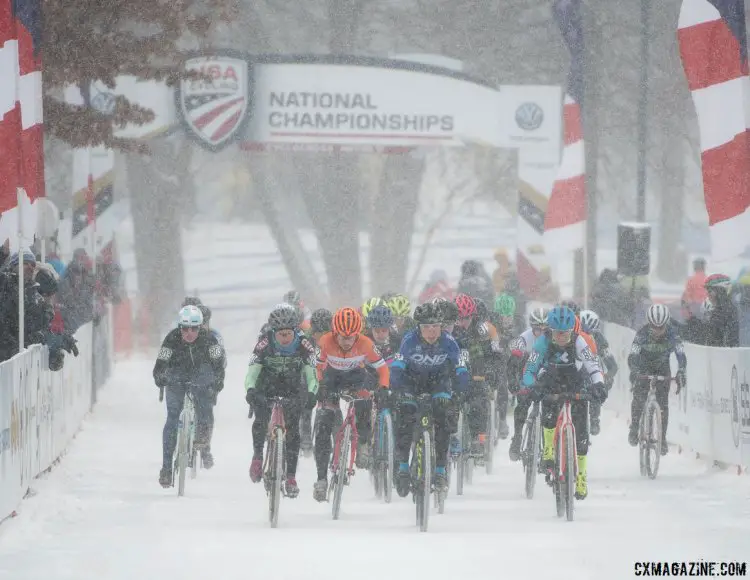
(711, 416)
(41, 411)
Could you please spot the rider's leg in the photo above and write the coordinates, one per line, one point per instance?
(292, 410)
(549, 421)
(175, 396)
(204, 418)
(662, 397)
(324, 423)
(478, 411)
(260, 428)
(442, 411)
(579, 414)
(519, 418)
(640, 393)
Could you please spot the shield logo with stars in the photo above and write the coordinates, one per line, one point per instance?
(214, 107)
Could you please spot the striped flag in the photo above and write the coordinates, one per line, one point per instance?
(21, 125)
(713, 46)
(564, 221)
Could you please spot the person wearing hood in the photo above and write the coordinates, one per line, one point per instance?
(476, 282)
(608, 299)
(437, 287)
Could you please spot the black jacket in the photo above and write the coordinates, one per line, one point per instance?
(723, 326)
(180, 361)
(38, 315)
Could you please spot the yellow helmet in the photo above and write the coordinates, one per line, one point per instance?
(370, 304)
(400, 306)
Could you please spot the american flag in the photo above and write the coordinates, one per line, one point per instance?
(564, 221)
(713, 46)
(21, 125)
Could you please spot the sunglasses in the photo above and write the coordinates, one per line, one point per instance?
(190, 328)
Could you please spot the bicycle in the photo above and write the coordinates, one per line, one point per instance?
(423, 461)
(381, 471)
(345, 446)
(563, 479)
(531, 446)
(492, 433)
(650, 440)
(186, 453)
(463, 460)
(274, 464)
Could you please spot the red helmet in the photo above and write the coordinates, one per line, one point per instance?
(466, 305)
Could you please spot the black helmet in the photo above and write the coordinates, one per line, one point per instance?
(191, 301)
(206, 313)
(483, 313)
(428, 314)
(450, 312)
(283, 316)
(320, 320)
(572, 305)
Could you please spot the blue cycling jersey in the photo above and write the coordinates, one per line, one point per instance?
(424, 362)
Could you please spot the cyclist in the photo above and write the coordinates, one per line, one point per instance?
(370, 304)
(480, 340)
(520, 349)
(320, 323)
(189, 357)
(590, 324)
(649, 355)
(293, 297)
(277, 362)
(401, 308)
(379, 323)
(343, 354)
(429, 361)
(504, 319)
(450, 313)
(552, 365)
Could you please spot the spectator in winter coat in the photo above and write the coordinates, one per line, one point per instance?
(609, 301)
(76, 293)
(723, 325)
(476, 282)
(695, 293)
(437, 287)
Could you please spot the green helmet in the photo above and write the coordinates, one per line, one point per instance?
(370, 304)
(505, 305)
(399, 305)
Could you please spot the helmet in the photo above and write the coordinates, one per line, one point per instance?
(561, 318)
(320, 320)
(189, 317)
(658, 315)
(589, 320)
(399, 305)
(440, 301)
(538, 317)
(466, 305)
(347, 322)
(206, 312)
(380, 317)
(428, 314)
(370, 304)
(450, 312)
(572, 305)
(292, 297)
(715, 281)
(707, 307)
(191, 301)
(505, 305)
(483, 313)
(282, 317)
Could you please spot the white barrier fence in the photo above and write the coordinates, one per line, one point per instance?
(711, 416)
(41, 411)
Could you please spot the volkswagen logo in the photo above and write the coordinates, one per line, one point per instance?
(529, 116)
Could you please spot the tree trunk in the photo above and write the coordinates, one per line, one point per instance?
(672, 264)
(392, 222)
(157, 229)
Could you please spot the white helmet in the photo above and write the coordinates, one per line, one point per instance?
(707, 307)
(589, 320)
(658, 315)
(189, 316)
(538, 317)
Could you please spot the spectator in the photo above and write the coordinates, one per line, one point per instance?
(609, 300)
(723, 327)
(742, 298)
(476, 282)
(437, 287)
(76, 294)
(695, 293)
(502, 271)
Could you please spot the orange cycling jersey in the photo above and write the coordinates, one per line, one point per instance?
(363, 352)
(586, 336)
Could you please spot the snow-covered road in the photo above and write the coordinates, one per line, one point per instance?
(100, 514)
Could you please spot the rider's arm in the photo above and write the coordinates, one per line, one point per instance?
(589, 359)
(308, 370)
(218, 360)
(324, 344)
(255, 365)
(373, 358)
(679, 352)
(398, 367)
(634, 358)
(164, 360)
(535, 362)
(607, 356)
(459, 359)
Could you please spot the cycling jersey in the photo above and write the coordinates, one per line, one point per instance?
(649, 354)
(362, 353)
(607, 359)
(280, 367)
(421, 362)
(548, 354)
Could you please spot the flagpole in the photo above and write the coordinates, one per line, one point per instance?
(20, 194)
(643, 112)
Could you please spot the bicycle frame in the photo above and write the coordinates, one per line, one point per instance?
(276, 420)
(350, 418)
(565, 419)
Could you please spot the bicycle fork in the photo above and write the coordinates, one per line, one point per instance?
(352, 450)
(564, 418)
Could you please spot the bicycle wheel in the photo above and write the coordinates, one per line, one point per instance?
(466, 452)
(557, 483)
(531, 453)
(570, 472)
(276, 466)
(643, 430)
(339, 477)
(426, 485)
(498, 419)
(492, 436)
(653, 451)
(193, 452)
(459, 457)
(182, 452)
(386, 467)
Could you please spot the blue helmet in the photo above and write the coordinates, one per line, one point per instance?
(561, 318)
(380, 317)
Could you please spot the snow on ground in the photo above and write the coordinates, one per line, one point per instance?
(101, 513)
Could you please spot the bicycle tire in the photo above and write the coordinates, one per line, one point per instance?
(655, 440)
(426, 487)
(193, 451)
(340, 475)
(532, 454)
(276, 448)
(492, 437)
(643, 429)
(386, 468)
(182, 453)
(556, 482)
(466, 453)
(570, 472)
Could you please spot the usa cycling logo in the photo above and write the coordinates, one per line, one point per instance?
(529, 116)
(429, 360)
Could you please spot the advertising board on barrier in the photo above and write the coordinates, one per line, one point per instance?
(711, 415)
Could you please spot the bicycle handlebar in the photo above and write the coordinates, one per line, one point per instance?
(347, 398)
(568, 397)
(657, 377)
